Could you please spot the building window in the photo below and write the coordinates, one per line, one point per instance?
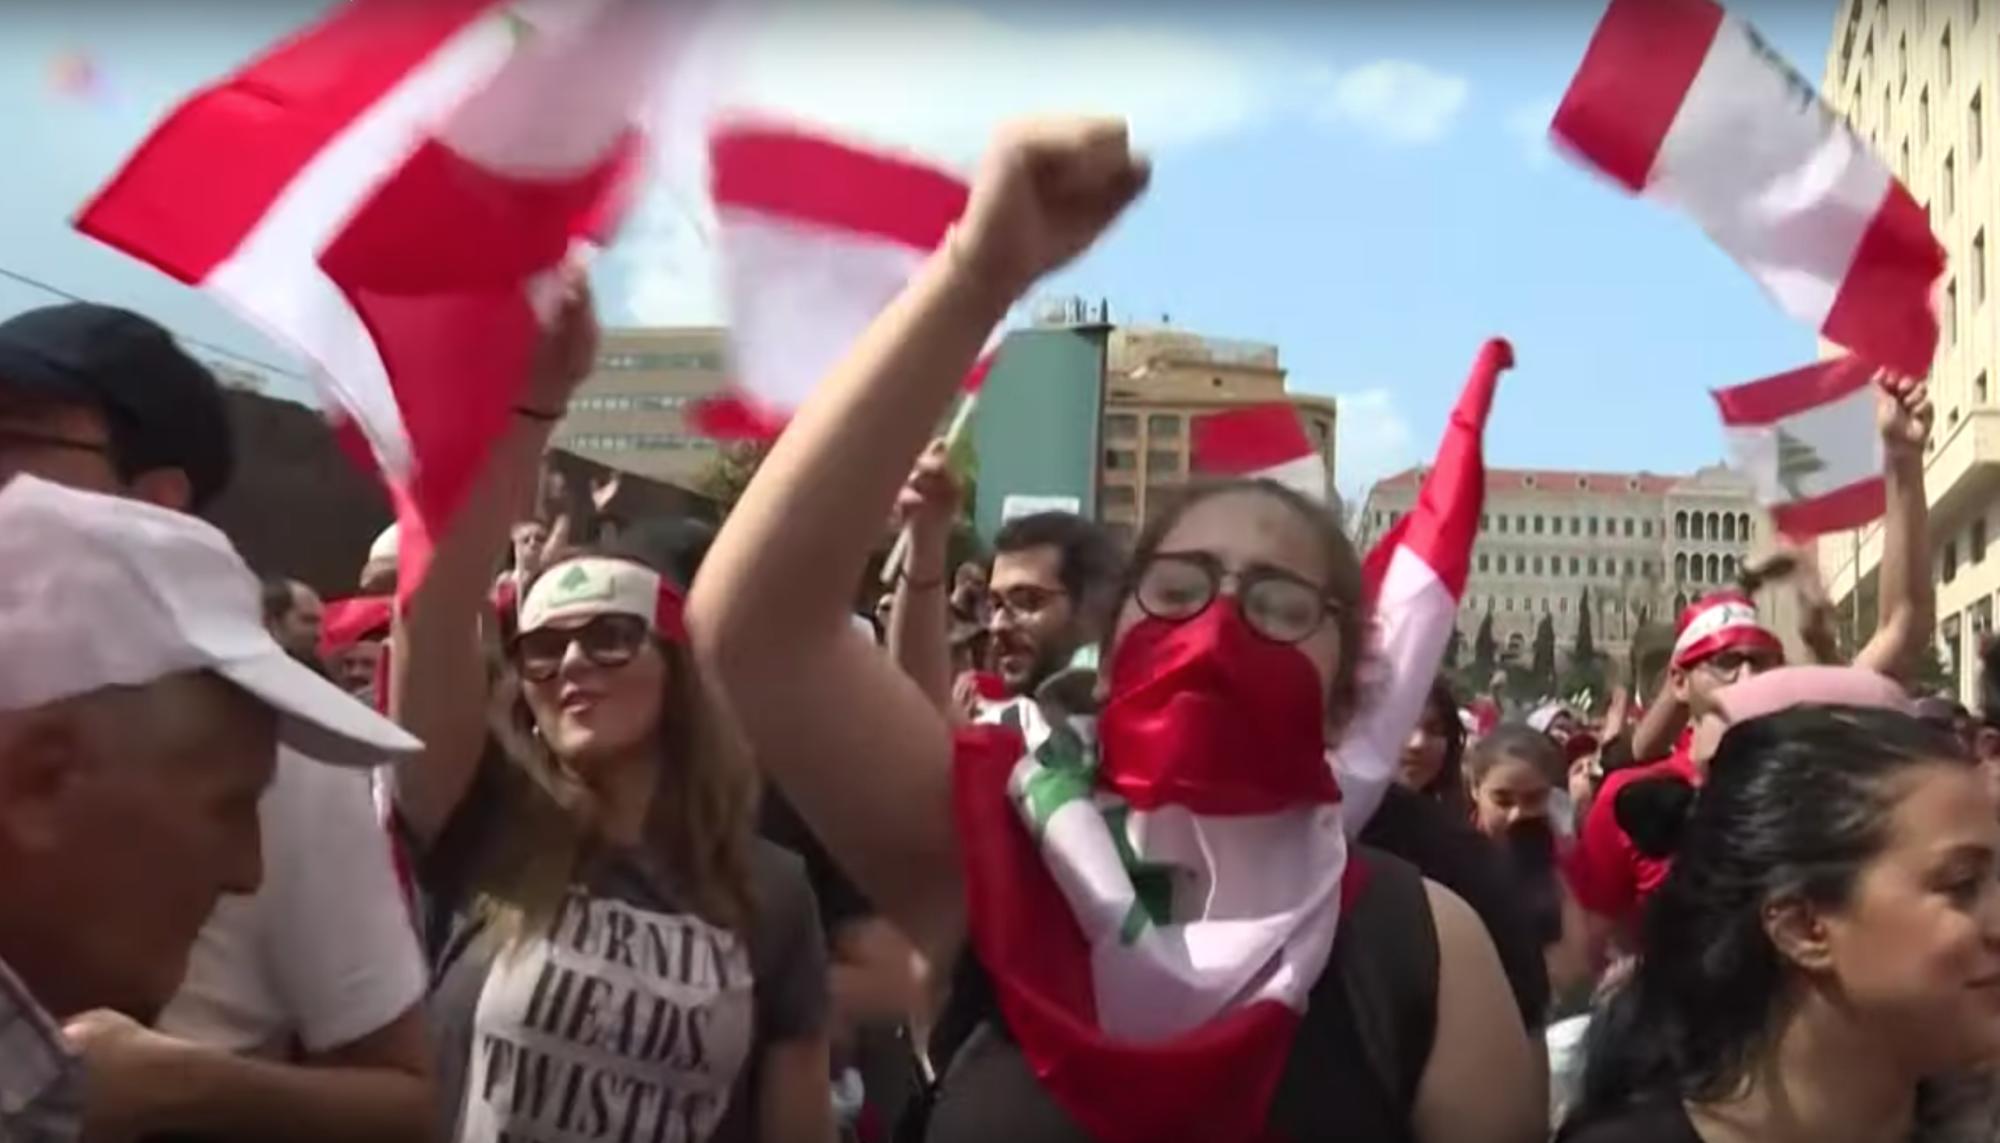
(1483, 562)
(1562, 605)
(1903, 161)
(1521, 525)
(1950, 571)
(1951, 313)
(1162, 462)
(1902, 62)
(1950, 188)
(1978, 544)
(1538, 525)
(1680, 525)
(1975, 130)
(1700, 527)
(1924, 115)
(1120, 496)
(1166, 426)
(1944, 61)
(1575, 526)
(1729, 567)
(1575, 566)
(1120, 459)
(1538, 565)
(1979, 388)
(1646, 529)
(1979, 268)
(1121, 426)
(1485, 521)
(1520, 565)
(1503, 525)
(1593, 567)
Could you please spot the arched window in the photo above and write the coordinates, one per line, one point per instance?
(1680, 604)
(1729, 527)
(1700, 528)
(1729, 565)
(1743, 529)
(1680, 525)
(1715, 525)
(1714, 569)
(1681, 566)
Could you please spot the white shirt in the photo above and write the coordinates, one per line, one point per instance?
(324, 953)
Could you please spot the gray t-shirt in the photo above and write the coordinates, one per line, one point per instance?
(630, 1019)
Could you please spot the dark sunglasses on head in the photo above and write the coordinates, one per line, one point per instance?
(609, 641)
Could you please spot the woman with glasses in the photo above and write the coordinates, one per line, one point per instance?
(1156, 927)
(615, 955)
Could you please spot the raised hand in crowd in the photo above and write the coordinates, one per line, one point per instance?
(919, 634)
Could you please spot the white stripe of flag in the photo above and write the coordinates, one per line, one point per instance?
(1808, 441)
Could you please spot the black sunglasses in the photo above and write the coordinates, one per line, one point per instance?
(608, 641)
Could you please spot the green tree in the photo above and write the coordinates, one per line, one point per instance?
(1585, 648)
(730, 472)
(1542, 667)
(1485, 653)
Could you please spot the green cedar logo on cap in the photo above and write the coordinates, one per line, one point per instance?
(578, 585)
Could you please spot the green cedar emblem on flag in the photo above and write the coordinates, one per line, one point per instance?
(1796, 461)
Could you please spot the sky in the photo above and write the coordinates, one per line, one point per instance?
(1367, 185)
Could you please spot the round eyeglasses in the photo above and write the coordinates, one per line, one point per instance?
(1281, 607)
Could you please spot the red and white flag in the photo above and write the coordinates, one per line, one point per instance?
(1808, 441)
(1266, 442)
(1414, 578)
(1154, 953)
(392, 192)
(1681, 102)
(816, 237)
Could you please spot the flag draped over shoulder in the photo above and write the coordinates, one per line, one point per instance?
(1683, 103)
(1154, 958)
(392, 192)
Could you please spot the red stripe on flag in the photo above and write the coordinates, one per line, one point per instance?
(243, 141)
(1641, 61)
(1772, 399)
(1213, 1083)
(1883, 311)
(731, 417)
(1441, 528)
(1248, 440)
(806, 178)
(453, 324)
(1847, 507)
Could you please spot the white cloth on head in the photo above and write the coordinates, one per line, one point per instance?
(324, 953)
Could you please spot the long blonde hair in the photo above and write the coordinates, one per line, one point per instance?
(700, 821)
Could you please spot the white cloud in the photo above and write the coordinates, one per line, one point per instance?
(1528, 124)
(1398, 102)
(1372, 440)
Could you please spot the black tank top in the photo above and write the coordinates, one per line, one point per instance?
(1354, 1068)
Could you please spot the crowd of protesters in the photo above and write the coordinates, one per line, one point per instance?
(663, 832)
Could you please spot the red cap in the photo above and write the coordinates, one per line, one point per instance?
(1725, 621)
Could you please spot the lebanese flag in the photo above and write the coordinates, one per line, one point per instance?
(1809, 443)
(1153, 958)
(1413, 580)
(1263, 442)
(1681, 102)
(816, 237)
(392, 193)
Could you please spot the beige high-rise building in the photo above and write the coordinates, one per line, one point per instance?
(631, 413)
(1917, 79)
(1157, 379)
(1642, 546)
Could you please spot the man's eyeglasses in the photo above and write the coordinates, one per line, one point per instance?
(1025, 601)
(609, 641)
(1277, 605)
(1731, 664)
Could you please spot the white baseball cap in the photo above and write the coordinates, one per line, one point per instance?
(102, 592)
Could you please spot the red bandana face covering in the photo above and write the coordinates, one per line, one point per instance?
(1209, 715)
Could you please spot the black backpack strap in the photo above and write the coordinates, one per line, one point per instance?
(1389, 975)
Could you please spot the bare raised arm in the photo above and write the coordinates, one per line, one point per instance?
(857, 747)
(438, 686)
